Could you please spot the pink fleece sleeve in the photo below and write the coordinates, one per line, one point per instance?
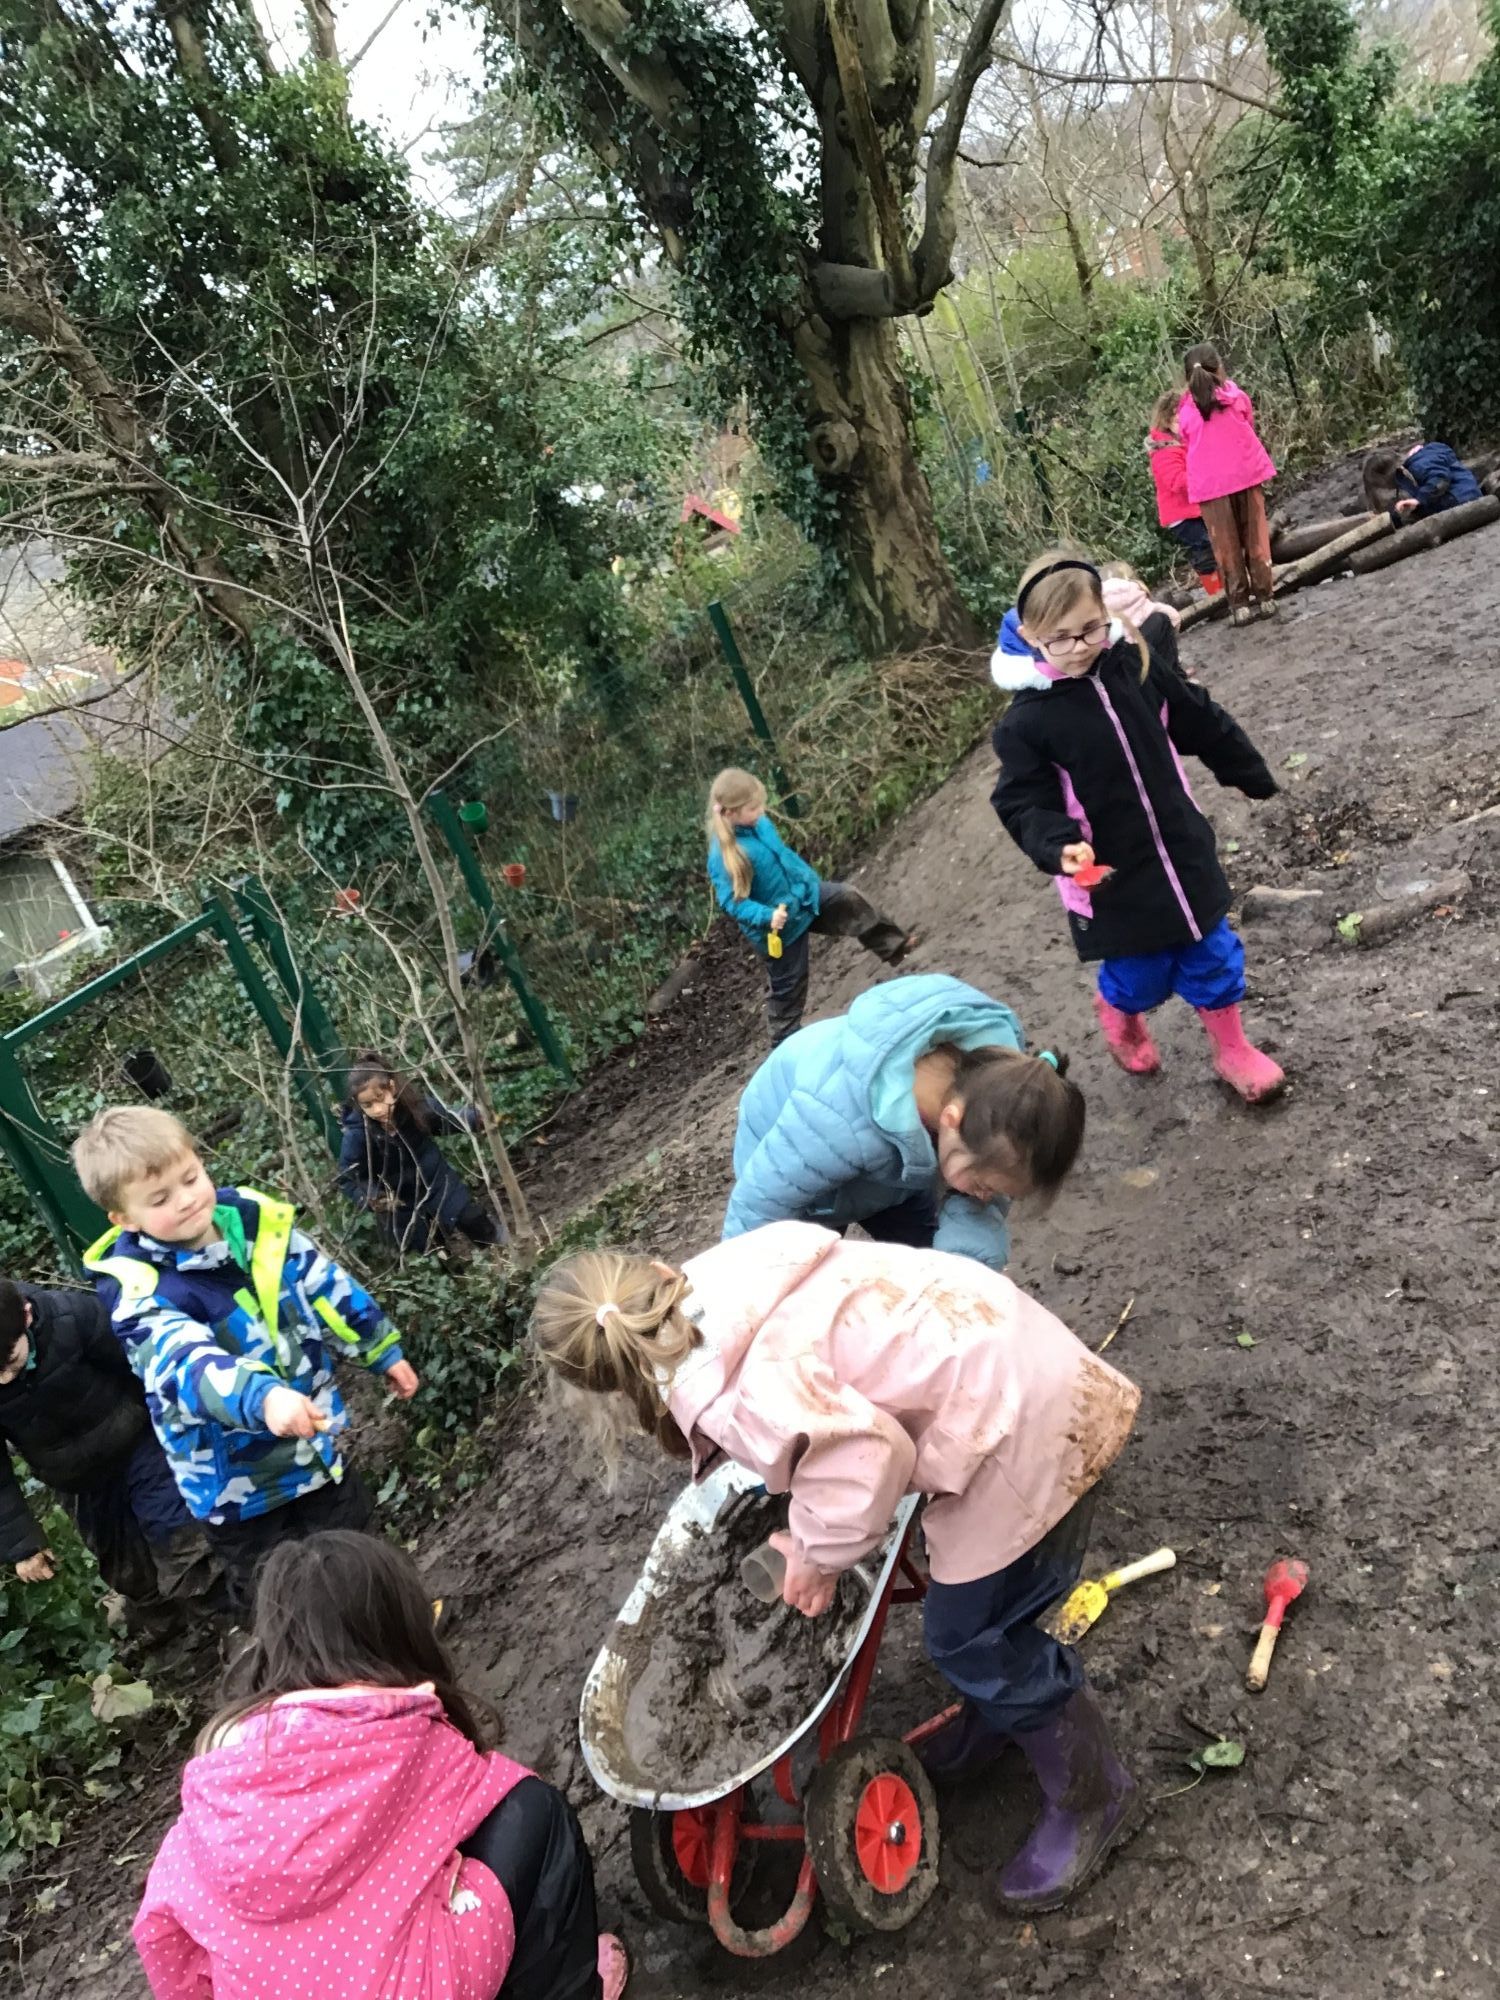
(176, 1965)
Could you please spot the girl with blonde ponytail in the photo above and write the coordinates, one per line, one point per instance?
(845, 1375)
(777, 898)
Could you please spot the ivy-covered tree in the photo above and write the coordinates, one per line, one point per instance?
(775, 154)
(229, 338)
(1393, 198)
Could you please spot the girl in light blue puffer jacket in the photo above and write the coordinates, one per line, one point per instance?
(777, 898)
(917, 1115)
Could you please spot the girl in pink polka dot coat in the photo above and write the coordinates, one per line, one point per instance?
(345, 1835)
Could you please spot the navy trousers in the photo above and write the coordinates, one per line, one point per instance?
(913, 1222)
(147, 1545)
(983, 1637)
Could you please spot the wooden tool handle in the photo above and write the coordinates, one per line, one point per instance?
(1160, 1559)
(1260, 1659)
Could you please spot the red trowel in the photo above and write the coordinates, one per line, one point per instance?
(1094, 876)
(1285, 1581)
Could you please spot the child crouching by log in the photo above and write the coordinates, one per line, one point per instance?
(1409, 486)
(849, 1375)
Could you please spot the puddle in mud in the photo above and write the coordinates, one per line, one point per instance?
(716, 1680)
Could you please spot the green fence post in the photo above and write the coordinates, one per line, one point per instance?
(1026, 432)
(492, 930)
(36, 1151)
(310, 1017)
(259, 994)
(730, 649)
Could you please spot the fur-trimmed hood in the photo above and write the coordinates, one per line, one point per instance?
(1014, 666)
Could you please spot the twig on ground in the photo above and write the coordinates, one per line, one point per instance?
(1124, 1315)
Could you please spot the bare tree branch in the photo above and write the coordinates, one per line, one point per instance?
(934, 258)
(1112, 82)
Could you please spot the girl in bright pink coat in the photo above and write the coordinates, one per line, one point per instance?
(1174, 510)
(1227, 468)
(848, 1375)
(343, 1831)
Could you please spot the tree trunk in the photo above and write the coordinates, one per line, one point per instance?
(901, 592)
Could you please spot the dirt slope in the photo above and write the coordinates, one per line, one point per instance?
(1349, 1231)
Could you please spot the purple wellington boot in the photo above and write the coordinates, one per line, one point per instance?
(965, 1744)
(1090, 1804)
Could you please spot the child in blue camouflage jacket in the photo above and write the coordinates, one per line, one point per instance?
(232, 1318)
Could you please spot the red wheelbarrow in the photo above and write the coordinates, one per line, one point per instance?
(868, 1825)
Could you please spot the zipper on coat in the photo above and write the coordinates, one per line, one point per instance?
(1140, 785)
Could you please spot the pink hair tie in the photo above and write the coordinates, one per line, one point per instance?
(599, 1311)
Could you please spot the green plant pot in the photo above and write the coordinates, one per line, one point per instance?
(475, 815)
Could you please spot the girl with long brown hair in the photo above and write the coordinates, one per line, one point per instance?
(390, 1161)
(344, 1823)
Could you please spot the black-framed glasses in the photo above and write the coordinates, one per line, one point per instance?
(1069, 642)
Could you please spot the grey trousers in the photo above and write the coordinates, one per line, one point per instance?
(842, 912)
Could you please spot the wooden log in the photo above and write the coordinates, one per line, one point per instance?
(1314, 535)
(1367, 927)
(1203, 609)
(1333, 555)
(1428, 534)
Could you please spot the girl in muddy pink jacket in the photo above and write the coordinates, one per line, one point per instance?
(343, 1831)
(1227, 468)
(848, 1375)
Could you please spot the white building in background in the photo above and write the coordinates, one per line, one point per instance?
(46, 662)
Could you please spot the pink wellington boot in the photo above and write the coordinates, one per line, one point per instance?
(614, 1965)
(1241, 1065)
(1129, 1038)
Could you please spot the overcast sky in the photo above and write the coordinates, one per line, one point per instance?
(419, 74)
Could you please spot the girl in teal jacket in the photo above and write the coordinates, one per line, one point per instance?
(777, 898)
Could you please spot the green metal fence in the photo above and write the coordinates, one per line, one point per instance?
(306, 1043)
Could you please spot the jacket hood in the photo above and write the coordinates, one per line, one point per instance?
(1008, 670)
(900, 1021)
(735, 1288)
(305, 1799)
(1013, 665)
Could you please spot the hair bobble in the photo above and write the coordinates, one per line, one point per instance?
(1048, 1056)
(609, 1306)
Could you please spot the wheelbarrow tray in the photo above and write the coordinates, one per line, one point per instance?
(612, 1678)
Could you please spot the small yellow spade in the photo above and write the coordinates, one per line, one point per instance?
(1087, 1602)
(773, 938)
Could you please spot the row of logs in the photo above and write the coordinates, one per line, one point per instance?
(1364, 543)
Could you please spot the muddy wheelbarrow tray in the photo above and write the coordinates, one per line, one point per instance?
(875, 1860)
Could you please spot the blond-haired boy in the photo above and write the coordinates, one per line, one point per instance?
(231, 1317)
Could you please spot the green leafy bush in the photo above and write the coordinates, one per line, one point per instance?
(58, 1666)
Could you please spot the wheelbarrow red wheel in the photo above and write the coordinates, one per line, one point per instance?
(872, 1832)
(670, 1853)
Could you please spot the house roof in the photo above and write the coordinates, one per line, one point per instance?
(695, 504)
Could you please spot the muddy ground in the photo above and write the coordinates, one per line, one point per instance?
(1348, 1232)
